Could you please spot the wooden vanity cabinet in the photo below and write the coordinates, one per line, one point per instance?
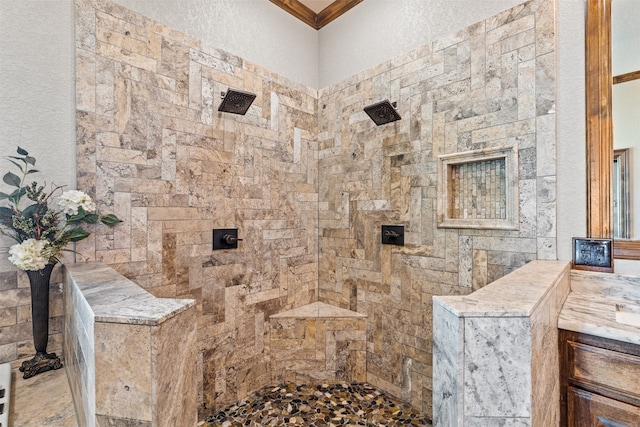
(599, 381)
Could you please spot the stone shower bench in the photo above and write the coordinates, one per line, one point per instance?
(130, 357)
(318, 342)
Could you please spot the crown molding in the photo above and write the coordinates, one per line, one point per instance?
(316, 20)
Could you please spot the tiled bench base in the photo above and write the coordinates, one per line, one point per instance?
(318, 342)
(130, 357)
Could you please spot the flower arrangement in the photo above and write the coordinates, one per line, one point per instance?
(45, 227)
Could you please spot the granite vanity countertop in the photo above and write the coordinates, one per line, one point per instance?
(590, 307)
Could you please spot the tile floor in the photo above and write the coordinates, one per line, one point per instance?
(43, 400)
(317, 405)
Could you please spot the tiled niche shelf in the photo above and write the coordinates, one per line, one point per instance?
(479, 189)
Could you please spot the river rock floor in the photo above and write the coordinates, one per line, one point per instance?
(318, 405)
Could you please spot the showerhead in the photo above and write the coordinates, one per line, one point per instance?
(383, 112)
(236, 101)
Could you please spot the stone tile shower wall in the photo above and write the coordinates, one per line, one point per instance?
(153, 148)
(489, 85)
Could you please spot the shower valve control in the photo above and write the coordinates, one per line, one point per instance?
(393, 235)
(230, 239)
(225, 238)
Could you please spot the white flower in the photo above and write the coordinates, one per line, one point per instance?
(69, 201)
(29, 255)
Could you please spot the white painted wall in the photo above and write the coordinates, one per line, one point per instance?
(378, 30)
(37, 99)
(37, 95)
(625, 36)
(37, 67)
(256, 30)
(571, 130)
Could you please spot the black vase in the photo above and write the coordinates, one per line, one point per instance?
(42, 361)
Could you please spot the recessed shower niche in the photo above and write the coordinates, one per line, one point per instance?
(479, 189)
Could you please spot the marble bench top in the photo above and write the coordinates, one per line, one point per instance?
(115, 299)
(318, 310)
(515, 295)
(590, 307)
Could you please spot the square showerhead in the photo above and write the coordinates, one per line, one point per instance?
(382, 112)
(236, 101)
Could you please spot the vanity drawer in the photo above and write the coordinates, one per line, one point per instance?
(608, 368)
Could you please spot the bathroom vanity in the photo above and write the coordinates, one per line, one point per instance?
(600, 381)
(599, 343)
(543, 346)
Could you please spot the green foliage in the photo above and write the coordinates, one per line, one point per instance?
(75, 234)
(78, 218)
(12, 179)
(38, 220)
(110, 220)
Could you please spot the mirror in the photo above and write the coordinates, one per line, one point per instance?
(621, 196)
(601, 215)
(625, 67)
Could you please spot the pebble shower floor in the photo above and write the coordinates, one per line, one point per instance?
(319, 405)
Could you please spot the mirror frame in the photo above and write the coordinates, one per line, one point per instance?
(599, 128)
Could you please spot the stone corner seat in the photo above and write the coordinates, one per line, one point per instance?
(318, 342)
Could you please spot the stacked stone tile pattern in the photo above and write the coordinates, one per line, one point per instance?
(308, 179)
(490, 85)
(318, 342)
(153, 148)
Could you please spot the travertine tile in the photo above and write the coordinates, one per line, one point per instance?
(174, 368)
(318, 342)
(119, 348)
(128, 353)
(309, 167)
(448, 333)
(49, 409)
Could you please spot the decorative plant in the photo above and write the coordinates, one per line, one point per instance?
(44, 227)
